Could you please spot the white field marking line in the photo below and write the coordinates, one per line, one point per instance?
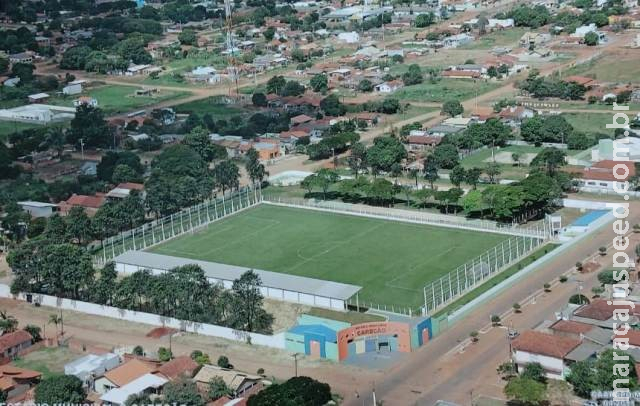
(358, 235)
(410, 271)
(529, 300)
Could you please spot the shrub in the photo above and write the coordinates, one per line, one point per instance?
(578, 299)
(138, 350)
(562, 279)
(579, 266)
(517, 308)
(495, 320)
(602, 251)
(474, 336)
(164, 354)
(223, 362)
(547, 287)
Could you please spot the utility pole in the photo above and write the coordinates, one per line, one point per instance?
(82, 148)
(295, 363)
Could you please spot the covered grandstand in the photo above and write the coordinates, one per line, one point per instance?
(290, 288)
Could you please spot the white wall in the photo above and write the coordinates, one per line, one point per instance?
(553, 366)
(275, 341)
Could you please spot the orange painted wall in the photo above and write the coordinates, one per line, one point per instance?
(374, 329)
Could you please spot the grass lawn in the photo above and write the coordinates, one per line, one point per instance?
(48, 361)
(391, 260)
(9, 127)
(590, 122)
(209, 105)
(619, 69)
(191, 62)
(119, 99)
(502, 276)
(445, 89)
(480, 159)
(508, 37)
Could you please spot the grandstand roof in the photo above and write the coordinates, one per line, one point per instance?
(301, 284)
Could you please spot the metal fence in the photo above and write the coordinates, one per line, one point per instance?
(420, 217)
(184, 221)
(472, 274)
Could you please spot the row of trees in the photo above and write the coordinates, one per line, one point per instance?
(551, 86)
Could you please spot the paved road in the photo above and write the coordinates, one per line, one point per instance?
(429, 376)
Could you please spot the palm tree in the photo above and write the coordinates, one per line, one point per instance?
(55, 319)
(8, 324)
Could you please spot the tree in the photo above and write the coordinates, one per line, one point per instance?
(182, 392)
(248, 312)
(292, 88)
(424, 20)
(505, 201)
(319, 83)
(255, 169)
(457, 175)
(535, 371)
(357, 158)
(24, 71)
(198, 140)
(226, 175)
(446, 156)
(223, 362)
(385, 152)
(526, 391)
(164, 354)
(112, 159)
(472, 201)
(124, 173)
(473, 177)
(551, 159)
(138, 350)
(430, 171)
(60, 389)
(89, 126)
(276, 84)
(591, 39)
(78, 225)
(299, 391)
(452, 108)
(390, 105)
(332, 106)
(34, 332)
(188, 37)
(218, 388)
(8, 323)
(138, 400)
(259, 99)
(413, 75)
(492, 170)
(325, 178)
(582, 378)
(365, 86)
(269, 33)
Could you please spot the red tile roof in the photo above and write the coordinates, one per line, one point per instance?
(178, 366)
(633, 336)
(603, 170)
(131, 186)
(461, 74)
(300, 119)
(9, 374)
(536, 342)
(570, 326)
(600, 310)
(93, 202)
(581, 80)
(129, 371)
(11, 340)
(424, 140)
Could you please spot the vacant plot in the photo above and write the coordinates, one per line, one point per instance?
(209, 105)
(591, 122)
(497, 38)
(10, 127)
(48, 361)
(445, 89)
(618, 69)
(119, 99)
(390, 260)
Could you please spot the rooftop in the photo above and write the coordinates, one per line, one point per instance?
(215, 270)
(536, 342)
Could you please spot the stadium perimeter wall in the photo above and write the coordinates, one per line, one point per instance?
(211, 330)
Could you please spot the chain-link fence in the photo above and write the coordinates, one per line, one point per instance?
(184, 221)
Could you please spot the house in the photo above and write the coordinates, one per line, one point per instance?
(340, 74)
(124, 189)
(300, 119)
(92, 366)
(267, 150)
(461, 122)
(600, 313)
(546, 349)
(205, 74)
(514, 115)
(139, 137)
(90, 204)
(372, 119)
(240, 383)
(602, 177)
(124, 374)
(443, 130)
(349, 37)
(22, 57)
(583, 30)
(38, 209)
(38, 98)
(11, 344)
(534, 39)
(182, 366)
(388, 87)
(148, 384)
(38, 113)
(15, 382)
(422, 142)
(461, 74)
(454, 41)
(85, 101)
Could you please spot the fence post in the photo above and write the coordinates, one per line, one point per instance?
(133, 238)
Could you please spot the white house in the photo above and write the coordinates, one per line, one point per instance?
(599, 177)
(38, 209)
(581, 31)
(85, 101)
(457, 40)
(146, 384)
(38, 113)
(349, 37)
(72, 89)
(388, 87)
(92, 366)
(547, 349)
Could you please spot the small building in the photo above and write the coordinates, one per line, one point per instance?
(443, 130)
(72, 89)
(15, 382)
(534, 39)
(349, 37)
(123, 375)
(123, 190)
(85, 101)
(601, 177)
(455, 41)
(182, 366)
(11, 344)
(92, 366)
(460, 122)
(38, 98)
(388, 87)
(421, 143)
(22, 57)
(546, 349)
(241, 384)
(149, 384)
(38, 209)
(38, 114)
(90, 204)
(300, 119)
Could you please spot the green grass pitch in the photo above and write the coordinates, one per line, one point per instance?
(391, 260)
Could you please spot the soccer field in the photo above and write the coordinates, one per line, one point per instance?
(391, 260)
